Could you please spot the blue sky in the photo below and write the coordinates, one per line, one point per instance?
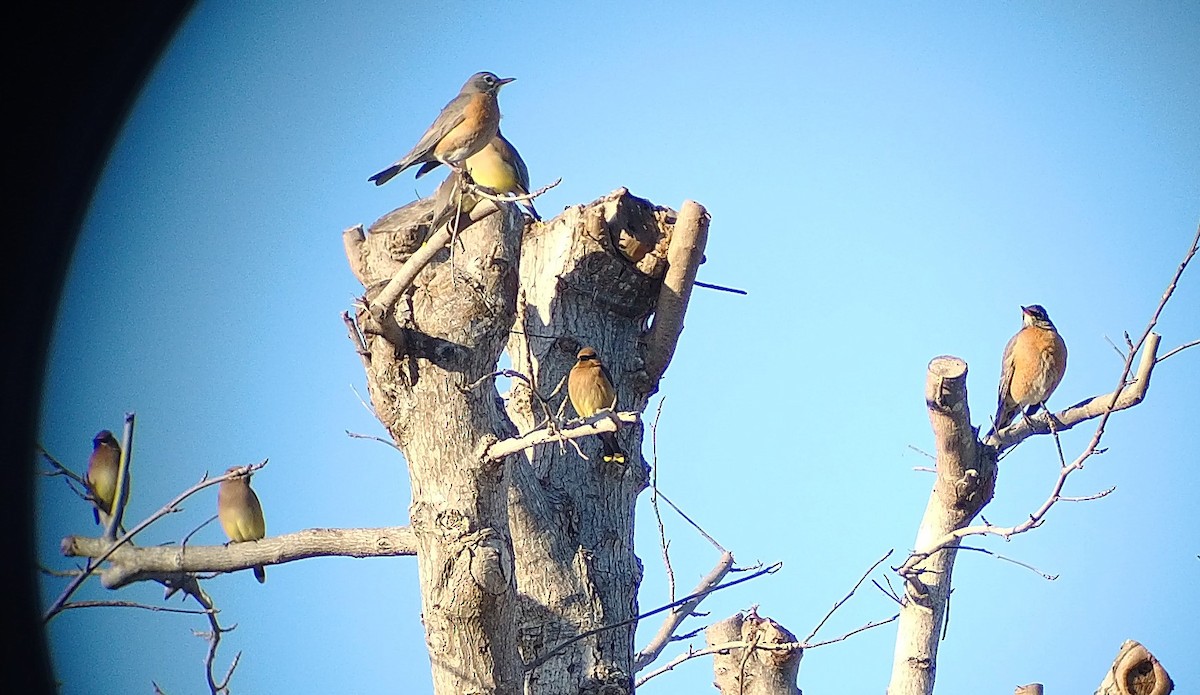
(889, 183)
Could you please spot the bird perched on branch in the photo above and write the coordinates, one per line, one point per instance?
(498, 167)
(590, 389)
(1035, 360)
(464, 127)
(103, 467)
(241, 514)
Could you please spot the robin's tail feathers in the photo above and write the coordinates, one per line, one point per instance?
(386, 175)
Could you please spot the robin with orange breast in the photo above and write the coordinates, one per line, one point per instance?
(590, 389)
(464, 127)
(1035, 360)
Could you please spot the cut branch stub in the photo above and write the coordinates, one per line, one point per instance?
(750, 671)
(965, 480)
(1135, 671)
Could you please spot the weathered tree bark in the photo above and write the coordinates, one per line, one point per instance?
(519, 555)
(456, 322)
(966, 479)
(749, 671)
(1135, 671)
(572, 519)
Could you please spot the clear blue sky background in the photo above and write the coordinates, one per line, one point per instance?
(888, 182)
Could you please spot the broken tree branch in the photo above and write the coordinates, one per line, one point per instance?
(683, 260)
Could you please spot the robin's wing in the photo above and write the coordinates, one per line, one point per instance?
(452, 114)
(1006, 377)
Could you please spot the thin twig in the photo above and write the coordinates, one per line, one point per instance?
(584, 635)
(485, 194)
(688, 519)
(1181, 348)
(721, 288)
(662, 531)
(889, 592)
(132, 604)
(1089, 498)
(922, 452)
(998, 556)
(356, 435)
(356, 337)
(846, 598)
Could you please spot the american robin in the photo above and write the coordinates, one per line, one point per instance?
(464, 127)
(590, 388)
(101, 477)
(241, 514)
(1035, 360)
(498, 167)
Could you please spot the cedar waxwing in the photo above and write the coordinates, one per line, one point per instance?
(241, 514)
(498, 167)
(1035, 360)
(464, 126)
(103, 466)
(590, 388)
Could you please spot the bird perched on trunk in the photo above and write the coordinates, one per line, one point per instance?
(464, 127)
(241, 514)
(103, 467)
(498, 167)
(1035, 360)
(590, 389)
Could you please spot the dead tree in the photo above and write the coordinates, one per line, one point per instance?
(523, 547)
(966, 478)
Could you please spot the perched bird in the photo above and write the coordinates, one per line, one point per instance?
(1035, 360)
(497, 167)
(103, 466)
(464, 127)
(241, 514)
(590, 388)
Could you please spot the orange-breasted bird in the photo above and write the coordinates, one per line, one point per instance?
(498, 167)
(1035, 360)
(590, 389)
(101, 477)
(241, 514)
(464, 127)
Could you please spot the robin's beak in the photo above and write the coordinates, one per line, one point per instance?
(1025, 310)
(504, 80)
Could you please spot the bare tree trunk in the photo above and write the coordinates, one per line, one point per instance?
(753, 671)
(520, 555)
(1135, 671)
(966, 480)
(572, 519)
(461, 312)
